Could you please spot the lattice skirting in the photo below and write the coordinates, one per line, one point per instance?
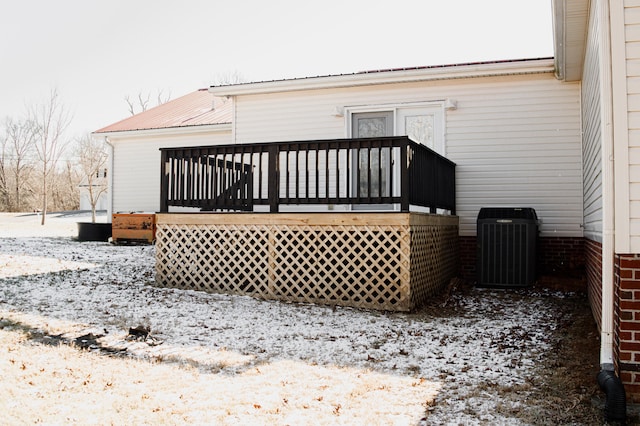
(380, 261)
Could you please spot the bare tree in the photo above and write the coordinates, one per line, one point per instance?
(92, 159)
(142, 103)
(50, 119)
(65, 182)
(228, 78)
(20, 141)
(162, 98)
(4, 184)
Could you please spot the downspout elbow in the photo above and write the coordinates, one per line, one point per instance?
(615, 409)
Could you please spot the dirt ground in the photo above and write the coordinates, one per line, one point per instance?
(565, 390)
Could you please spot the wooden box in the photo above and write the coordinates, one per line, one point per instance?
(133, 227)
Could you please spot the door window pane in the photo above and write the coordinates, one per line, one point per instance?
(420, 129)
(373, 164)
(372, 127)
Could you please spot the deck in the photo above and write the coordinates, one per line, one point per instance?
(369, 248)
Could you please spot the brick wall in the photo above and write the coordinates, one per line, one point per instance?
(593, 269)
(555, 256)
(467, 251)
(627, 322)
(561, 255)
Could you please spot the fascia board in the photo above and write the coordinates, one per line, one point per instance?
(169, 131)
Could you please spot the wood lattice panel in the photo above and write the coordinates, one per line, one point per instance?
(232, 259)
(362, 266)
(368, 264)
(433, 260)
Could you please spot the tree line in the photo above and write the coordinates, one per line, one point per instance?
(41, 167)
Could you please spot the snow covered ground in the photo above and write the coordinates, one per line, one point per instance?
(273, 362)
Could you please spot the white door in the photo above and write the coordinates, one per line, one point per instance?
(423, 124)
(372, 125)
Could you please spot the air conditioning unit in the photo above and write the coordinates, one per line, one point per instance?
(507, 239)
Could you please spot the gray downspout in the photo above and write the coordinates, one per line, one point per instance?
(110, 188)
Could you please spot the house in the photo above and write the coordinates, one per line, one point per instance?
(99, 182)
(195, 119)
(511, 127)
(555, 134)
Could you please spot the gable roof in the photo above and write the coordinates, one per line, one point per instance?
(199, 108)
(206, 107)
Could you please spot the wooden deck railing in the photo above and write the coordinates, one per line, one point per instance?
(371, 172)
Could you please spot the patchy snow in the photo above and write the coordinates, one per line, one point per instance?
(400, 368)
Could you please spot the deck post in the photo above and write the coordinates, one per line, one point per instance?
(272, 179)
(164, 182)
(404, 176)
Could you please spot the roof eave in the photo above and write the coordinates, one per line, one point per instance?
(570, 22)
(166, 131)
(532, 66)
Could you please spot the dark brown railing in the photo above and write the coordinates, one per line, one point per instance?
(359, 172)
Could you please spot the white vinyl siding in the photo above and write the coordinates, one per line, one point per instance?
(136, 174)
(519, 145)
(632, 34)
(515, 139)
(592, 135)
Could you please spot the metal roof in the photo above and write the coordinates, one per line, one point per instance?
(199, 108)
(394, 75)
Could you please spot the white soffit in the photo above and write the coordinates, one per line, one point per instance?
(570, 21)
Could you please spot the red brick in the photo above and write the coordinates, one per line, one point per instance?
(629, 326)
(629, 262)
(633, 284)
(627, 315)
(628, 305)
(625, 335)
(625, 356)
(626, 295)
(630, 346)
(626, 273)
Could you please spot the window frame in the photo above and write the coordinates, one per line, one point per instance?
(438, 106)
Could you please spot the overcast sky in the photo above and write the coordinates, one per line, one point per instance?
(97, 52)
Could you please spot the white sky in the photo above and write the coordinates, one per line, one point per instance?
(97, 52)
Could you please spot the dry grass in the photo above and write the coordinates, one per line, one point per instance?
(63, 384)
